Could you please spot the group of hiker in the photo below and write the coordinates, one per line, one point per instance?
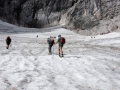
(50, 41)
(60, 41)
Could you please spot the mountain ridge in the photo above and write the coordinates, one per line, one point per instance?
(74, 14)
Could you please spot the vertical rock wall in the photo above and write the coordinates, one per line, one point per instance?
(75, 14)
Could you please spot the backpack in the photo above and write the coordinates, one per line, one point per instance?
(62, 40)
(8, 40)
(49, 40)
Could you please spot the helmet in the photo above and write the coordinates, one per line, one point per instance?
(59, 35)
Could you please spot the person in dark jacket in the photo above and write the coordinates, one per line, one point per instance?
(8, 41)
(50, 42)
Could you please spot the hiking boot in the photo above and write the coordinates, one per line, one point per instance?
(59, 55)
(6, 47)
(49, 53)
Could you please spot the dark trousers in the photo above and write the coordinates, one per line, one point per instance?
(49, 48)
(8, 43)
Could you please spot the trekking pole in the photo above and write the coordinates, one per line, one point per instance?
(53, 51)
(53, 47)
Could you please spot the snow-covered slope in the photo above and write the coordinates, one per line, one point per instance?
(90, 63)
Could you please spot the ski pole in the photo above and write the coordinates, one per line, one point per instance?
(53, 50)
(53, 46)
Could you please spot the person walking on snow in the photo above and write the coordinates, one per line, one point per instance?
(61, 42)
(8, 41)
(50, 42)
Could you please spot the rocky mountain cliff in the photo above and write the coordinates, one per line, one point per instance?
(74, 14)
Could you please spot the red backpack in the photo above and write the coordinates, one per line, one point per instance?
(62, 40)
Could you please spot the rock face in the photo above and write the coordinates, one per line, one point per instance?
(87, 13)
(74, 14)
(34, 13)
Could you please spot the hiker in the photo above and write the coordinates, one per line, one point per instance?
(37, 36)
(50, 41)
(8, 41)
(61, 42)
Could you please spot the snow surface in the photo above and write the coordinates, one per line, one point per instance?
(90, 63)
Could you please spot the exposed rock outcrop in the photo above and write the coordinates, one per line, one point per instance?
(74, 14)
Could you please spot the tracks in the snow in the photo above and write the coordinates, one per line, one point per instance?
(38, 46)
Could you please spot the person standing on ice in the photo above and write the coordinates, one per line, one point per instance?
(8, 41)
(50, 42)
(61, 42)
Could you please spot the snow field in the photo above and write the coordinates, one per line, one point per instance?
(88, 64)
